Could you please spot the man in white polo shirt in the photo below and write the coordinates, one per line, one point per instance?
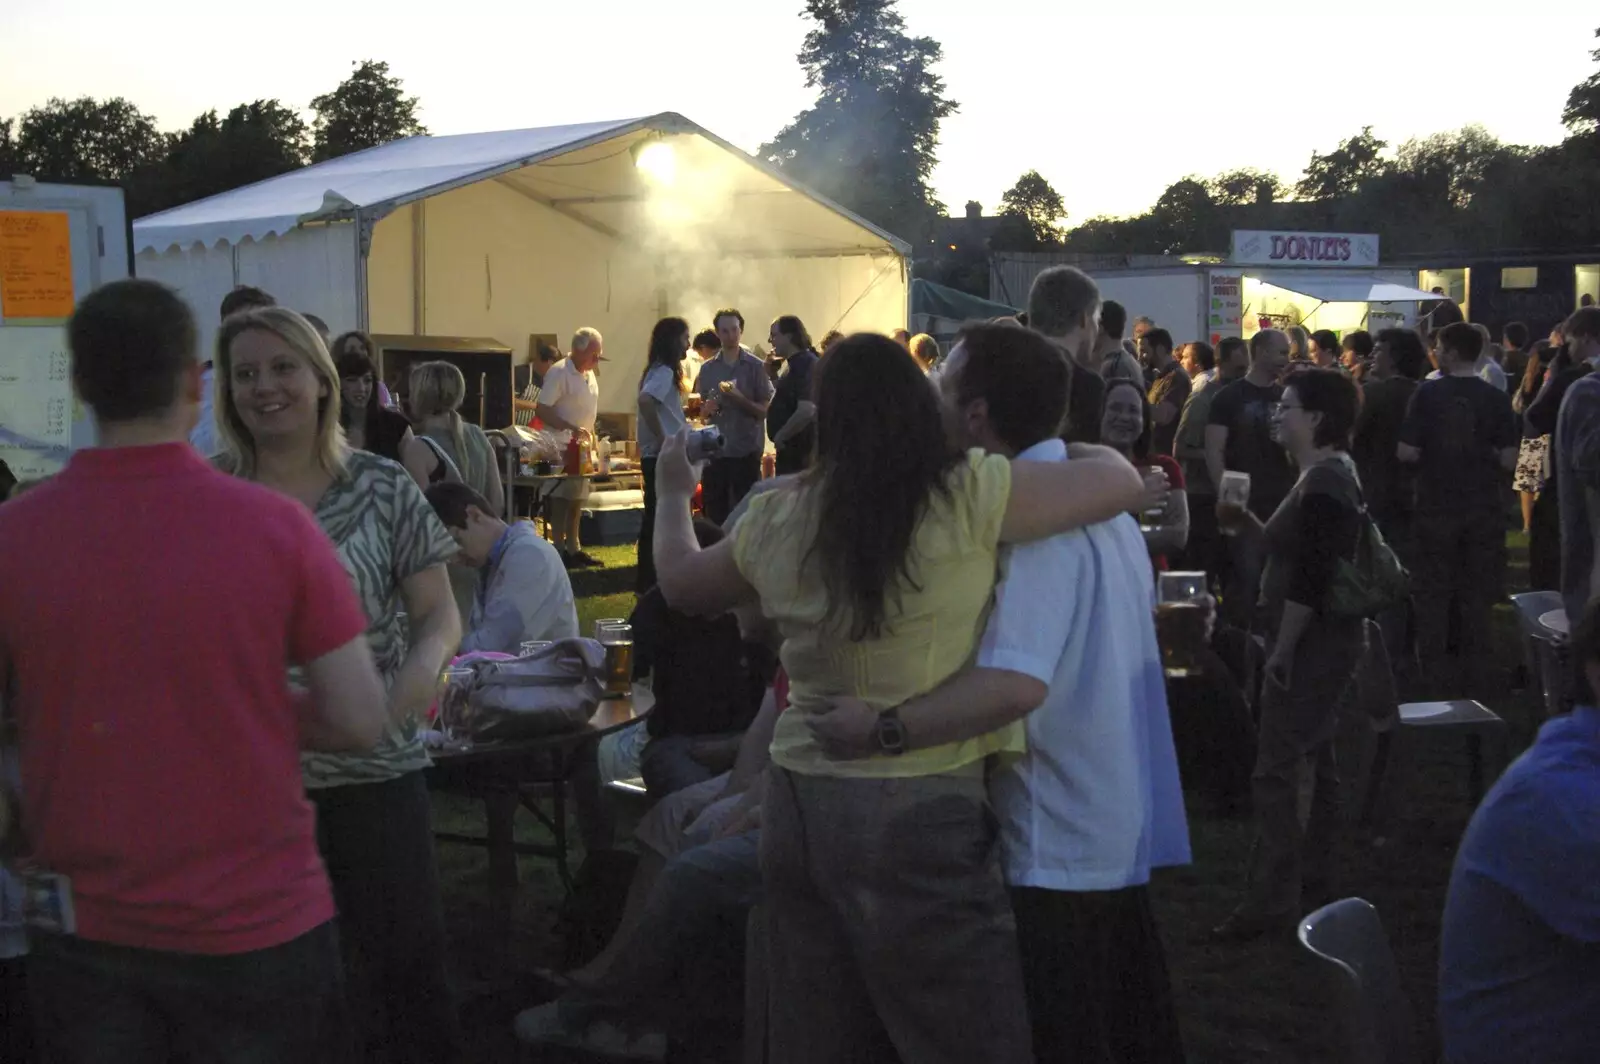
(1096, 802)
(570, 402)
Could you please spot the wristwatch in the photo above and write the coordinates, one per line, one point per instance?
(890, 733)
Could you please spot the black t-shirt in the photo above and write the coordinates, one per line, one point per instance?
(1086, 404)
(1245, 410)
(1170, 386)
(1384, 478)
(792, 387)
(707, 679)
(1460, 424)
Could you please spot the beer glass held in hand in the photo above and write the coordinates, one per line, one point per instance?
(617, 640)
(1233, 499)
(1182, 616)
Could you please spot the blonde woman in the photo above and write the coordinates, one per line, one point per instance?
(447, 448)
(925, 349)
(446, 443)
(277, 403)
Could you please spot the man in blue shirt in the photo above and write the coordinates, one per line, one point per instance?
(524, 592)
(1519, 950)
(1096, 801)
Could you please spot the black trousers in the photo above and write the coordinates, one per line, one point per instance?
(1096, 976)
(377, 841)
(16, 1018)
(95, 1003)
(791, 460)
(645, 569)
(725, 483)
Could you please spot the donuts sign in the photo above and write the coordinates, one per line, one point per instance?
(1263, 248)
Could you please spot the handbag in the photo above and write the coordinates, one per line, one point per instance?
(552, 691)
(1372, 579)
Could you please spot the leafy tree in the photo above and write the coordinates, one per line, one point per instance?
(254, 142)
(367, 109)
(1184, 216)
(870, 140)
(1456, 164)
(1034, 211)
(1343, 170)
(10, 158)
(1245, 185)
(73, 140)
(1582, 113)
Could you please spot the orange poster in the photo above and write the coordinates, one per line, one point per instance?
(35, 264)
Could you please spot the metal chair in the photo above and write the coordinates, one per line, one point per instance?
(1348, 942)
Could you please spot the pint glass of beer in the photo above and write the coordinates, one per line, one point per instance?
(618, 642)
(606, 622)
(1181, 618)
(1233, 497)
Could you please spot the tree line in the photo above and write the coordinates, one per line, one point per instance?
(112, 140)
(1458, 191)
(870, 143)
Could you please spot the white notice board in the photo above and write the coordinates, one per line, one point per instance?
(57, 243)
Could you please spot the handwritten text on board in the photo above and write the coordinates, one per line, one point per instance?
(35, 264)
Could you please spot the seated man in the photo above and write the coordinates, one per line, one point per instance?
(675, 963)
(524, 593)
(1519, 949)
(707, 680)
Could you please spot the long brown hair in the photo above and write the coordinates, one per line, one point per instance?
(881, 458)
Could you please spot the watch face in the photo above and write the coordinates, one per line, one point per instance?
(891, 735)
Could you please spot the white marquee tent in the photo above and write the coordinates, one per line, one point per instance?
(508, 235)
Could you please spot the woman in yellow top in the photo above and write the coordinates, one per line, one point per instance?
(887, 920)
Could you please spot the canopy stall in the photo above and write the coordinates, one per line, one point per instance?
(534, 232)
(1325, 299)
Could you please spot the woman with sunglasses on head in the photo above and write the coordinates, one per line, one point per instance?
(278, 404)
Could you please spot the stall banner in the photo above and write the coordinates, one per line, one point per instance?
(1259, 247)
(1223, 317)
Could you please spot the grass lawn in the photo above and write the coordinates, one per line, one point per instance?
(1260, 1002)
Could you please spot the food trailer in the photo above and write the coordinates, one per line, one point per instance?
(1272, 280)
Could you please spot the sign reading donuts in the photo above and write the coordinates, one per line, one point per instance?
(1264, 248)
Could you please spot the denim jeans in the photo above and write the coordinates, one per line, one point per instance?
(94, 1003)
(377, 841)
(668, 765)
(682, 966)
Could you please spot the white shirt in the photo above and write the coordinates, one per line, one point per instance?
(204, 436)
(660, 386)
(1485, 369)
(1096, 802)
(574, 396)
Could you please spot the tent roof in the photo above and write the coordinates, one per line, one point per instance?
(586, 172)
(1342, 288)
(954, 304)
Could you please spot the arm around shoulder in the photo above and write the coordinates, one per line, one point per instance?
(1051, 497)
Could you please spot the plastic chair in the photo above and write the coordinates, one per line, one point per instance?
(1348, 942)
(1544, 650)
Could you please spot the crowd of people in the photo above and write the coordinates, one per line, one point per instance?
(914, 753)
